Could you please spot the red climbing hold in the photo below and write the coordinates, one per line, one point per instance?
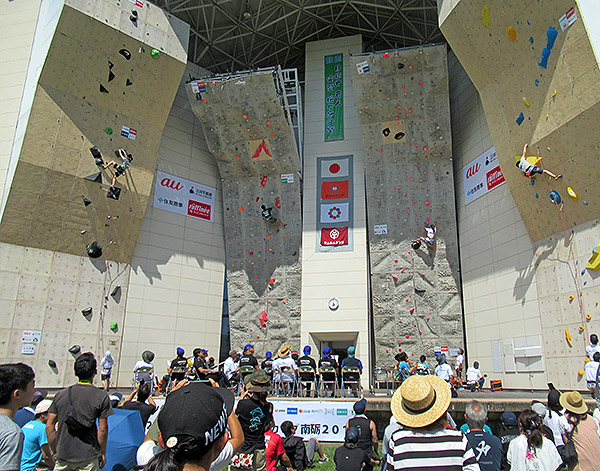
(426, 203)
(386, 54)
(251, 253)
(278, 202)
(263, 319)
(271, 281)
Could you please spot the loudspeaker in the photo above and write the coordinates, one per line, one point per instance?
(94, 250)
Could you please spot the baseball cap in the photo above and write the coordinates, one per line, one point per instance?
(268, 354)
(307, 349)
(248, 345)
(360, 406)
(326, 351)
(43, 406)
(509, 418)
(38, 396)
(180, 352)
(352, 434)
(539, 408)
(196, 411)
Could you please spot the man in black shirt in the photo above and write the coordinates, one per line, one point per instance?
(300, 455)
(367, 438)
(349, 457)
(267, 214)
(248, 359)
(307, 361)
(179, 362)
(328, 361)
(510, 430)
(267, 364)
(143, 390)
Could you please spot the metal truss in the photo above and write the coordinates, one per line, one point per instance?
(231, 35)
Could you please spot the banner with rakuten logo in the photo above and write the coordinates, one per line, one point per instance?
(182, 196)
(482, 175)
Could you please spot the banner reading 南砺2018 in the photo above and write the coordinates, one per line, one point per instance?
(182, 196)
(334, 98)
(481, 175)
(324, 420)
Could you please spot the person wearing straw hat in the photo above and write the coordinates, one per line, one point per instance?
(284, 360)
(584, 433)
(426, 442)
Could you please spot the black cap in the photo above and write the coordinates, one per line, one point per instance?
(197, 411)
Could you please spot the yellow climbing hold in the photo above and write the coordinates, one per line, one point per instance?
(588, 317)
(571, 298)
(568, 337)
(511, 33)
(587, 360)
(571, 192)
(526, 101)
(580, 372)
(594, 261)
(581, 328)
(554, 94)
(485, 15)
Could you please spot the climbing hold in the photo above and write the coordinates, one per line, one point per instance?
(263, 319)
(571, 193)
(581, 328)
(396, 261)
(75, 349)
(269, 238)
(411, 310)
(251, 253)
(395, 277)
(427, 203)
(537, 82)
(419, 290)
(416, 244)
(114, 326)
(87, 312)
(242, 208)
(108, 131)
(532, 182)
(94, 250)
(536, 195)
(113, 192)
(580, 373)
(155, 53)
(485, 15)
(531, 39)
(103, 89)
(588, 317)
(116, 291)
(568, 337)
(526, 101)
(585, 202)
(52, 364)
(511, 33)
(571, 298)
(555, 197)
(544, 60)
(587, 360)
(551, 36)
(272, 281)
(408, 336)
(111, 76)
(402, 271)
(128, 83)
(86, 201)
(520, 119)
(263, 181)
(386, 54)
(428, 318)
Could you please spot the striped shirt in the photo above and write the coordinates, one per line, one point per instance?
(444, 449)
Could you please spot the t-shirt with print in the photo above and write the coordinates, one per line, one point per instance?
(253, 417)
(11, 444)
(91, 403)
(35, 438)
(146, 410)
(274, 448)
(487, 448)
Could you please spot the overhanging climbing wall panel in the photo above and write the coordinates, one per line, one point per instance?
(403, 109)
(249, 134)
(533, 62)
(108, 80)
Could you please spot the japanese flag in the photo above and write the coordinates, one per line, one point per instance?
(334, 168)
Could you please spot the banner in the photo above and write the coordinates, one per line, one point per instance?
(334, 190)
(185, 197)
(334, 98)
(334, 237)
(334, 168)
(481, 175)
(334, 212)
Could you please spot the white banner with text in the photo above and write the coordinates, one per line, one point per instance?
(185, 197)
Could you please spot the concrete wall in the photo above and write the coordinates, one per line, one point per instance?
(177, 270)
(340, 275)
(403, 109)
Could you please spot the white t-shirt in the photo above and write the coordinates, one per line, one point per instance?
(229, 367)
(149, 448)
(559, 425)
(459, 361)
(142, 364)
(284, 362)
(473, 374)
(545, 458)
(444, 371)
(591, 368)
(590, 350)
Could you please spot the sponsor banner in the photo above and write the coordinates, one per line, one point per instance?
(287, 178)
(198, 87)
(334, 98)
(31, 336)
(260, 150)
(334, 190)
(334, 212)
(185, 197)
(567, 19)
(334, 237)
(334, 168)
(481, 175)
(363, 67)
(128, 132)
(380, 229)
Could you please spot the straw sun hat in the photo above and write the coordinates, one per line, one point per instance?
(284, 351)
(421, 400)
(573, 402)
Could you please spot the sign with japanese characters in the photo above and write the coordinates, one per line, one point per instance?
(185, 197)
(324, 420)
(334, 98)
(481, 175)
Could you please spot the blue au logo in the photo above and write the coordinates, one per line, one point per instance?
(292, 411)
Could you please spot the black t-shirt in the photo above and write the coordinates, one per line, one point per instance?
(487, 449)
(248, 360)
(200, 363)
(365, 440)
(91, 403)
(267, 364)
(328, 361)
(146, 410)
(350, 459)
(179, 362)
(306, 360)
(253, 417)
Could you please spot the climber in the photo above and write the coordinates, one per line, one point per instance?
(267, 214)
(120, 168)
(530, 169)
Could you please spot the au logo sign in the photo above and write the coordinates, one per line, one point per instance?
(260, 150)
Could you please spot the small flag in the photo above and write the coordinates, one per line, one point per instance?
(334, 212)
(287, 178)
(334, 168)
(334, 237)
(198, 87)
(363, 67)
(334, 190)
(138, 3)
(128, 132)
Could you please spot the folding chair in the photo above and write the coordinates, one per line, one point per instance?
(351, 378)
(145, 373)
(244, 371)
(286, 381)
(309, 385)
(176, 370)
(380, 381)
(327, 377)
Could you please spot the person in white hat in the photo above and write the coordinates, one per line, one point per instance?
(35, 442)
(425, 442)
(584, 433)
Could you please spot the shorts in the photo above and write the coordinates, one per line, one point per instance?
(271, 219)
(535, 170)
(105, 377)
(119, 170)
(62, 465)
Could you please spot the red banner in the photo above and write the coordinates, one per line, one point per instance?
(199, 210)
(494, 178)
(334, 237)
(334, 190)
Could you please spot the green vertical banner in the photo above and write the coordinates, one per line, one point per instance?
(334, 98)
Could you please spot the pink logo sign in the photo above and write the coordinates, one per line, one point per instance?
(199, 210)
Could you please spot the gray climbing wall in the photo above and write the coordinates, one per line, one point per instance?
(250, 136)
(98, 76)
(403, 108)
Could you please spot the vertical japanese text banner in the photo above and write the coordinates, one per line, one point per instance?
(334, 98)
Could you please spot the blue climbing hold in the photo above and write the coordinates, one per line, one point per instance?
(532, 182)
(555, 197)
(544, 60)
(583, 271)
(529, 22)
(531, 39)
(520, 118)
(585, 202)
(551, 35)
(537, 82)
(537, 196)
(584, 283)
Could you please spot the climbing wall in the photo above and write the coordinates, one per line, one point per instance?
(403, 109)
(108, 80)
(535, 70)
(249, 133)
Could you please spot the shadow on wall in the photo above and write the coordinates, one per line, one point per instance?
(523, 281)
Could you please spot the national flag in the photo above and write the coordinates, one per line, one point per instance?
(363, 67)
(334, 168)
(334, 237)
(128, 132)
(198, 87)
(138, 3)
(337, 212)
(334, 190)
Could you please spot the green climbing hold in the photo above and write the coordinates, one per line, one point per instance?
(155, 53)
(113, 326)
(108, 131)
